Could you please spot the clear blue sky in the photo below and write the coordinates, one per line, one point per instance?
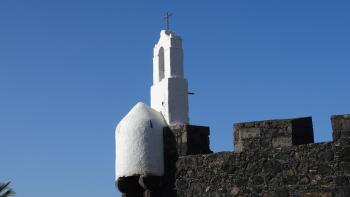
(71, 69)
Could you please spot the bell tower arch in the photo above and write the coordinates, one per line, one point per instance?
(169, 92)
(161, 63)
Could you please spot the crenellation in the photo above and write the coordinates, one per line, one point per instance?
(187, 139)
(341, 128)
(296, 167)
(272, 133)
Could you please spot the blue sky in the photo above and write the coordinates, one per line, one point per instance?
(70, 70)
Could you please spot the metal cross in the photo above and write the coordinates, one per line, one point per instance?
(166, 18)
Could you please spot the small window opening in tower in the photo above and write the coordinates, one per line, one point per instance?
(150, 123)
(161, 63)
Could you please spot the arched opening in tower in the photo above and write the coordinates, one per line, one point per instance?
(161, 63)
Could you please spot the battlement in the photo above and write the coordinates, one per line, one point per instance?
(254, 136)
(341, 128)
(272, 158)
(284, 132)
(273, 133)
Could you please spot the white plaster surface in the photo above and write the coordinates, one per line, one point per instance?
(169, 95)
(170, 98)
(139, 143)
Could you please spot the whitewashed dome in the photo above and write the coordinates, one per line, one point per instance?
(139, 143)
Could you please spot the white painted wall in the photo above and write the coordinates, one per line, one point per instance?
(139, 135)
(169, 95)
(139, 143)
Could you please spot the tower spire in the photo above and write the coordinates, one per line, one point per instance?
(166, 19)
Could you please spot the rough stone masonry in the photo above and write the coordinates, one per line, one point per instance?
(275, 158)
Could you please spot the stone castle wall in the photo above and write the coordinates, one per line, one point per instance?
(273, 158)
(307, 170)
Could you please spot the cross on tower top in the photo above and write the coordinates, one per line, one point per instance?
(166, 18)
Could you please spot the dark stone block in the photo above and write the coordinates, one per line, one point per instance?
(140, 186)
(282, 192)
(151, 183)
(269, 194)
(343, 192)
(290, 180)
(345, 167)
(342, 181)
(258, 180)
(341, 127)
(269, 134)
(130, 186)
(304, 180)
(189, 139)
(317, 194)
(242, 182)
(325, 170)
(327, 155)
(272, 167)
(344, 154)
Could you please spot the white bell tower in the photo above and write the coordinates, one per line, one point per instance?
(169, 92)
